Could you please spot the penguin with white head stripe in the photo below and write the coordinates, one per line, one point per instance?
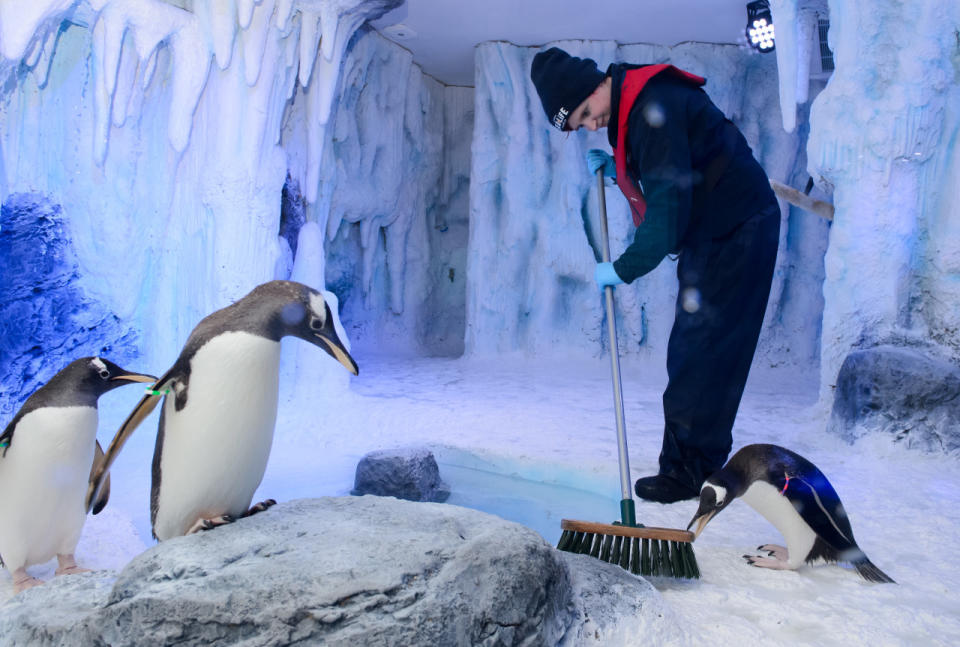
(48, 453)
(220, 407)
(794, 495)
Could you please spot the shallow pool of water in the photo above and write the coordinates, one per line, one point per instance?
(534, 504)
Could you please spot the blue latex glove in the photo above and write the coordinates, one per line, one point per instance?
(605, 275)
(597, 158)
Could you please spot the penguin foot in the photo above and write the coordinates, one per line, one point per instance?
(260, 507)
(773, 550)
(23, 581)
(210, 524)
(67, 565)
(768, 562)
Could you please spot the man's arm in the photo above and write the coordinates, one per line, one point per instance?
(662, 155)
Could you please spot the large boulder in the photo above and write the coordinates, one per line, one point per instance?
(411, 474)
(900, 391)
(346, 571)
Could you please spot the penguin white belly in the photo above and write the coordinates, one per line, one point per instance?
(215, 449)
(43, 479)
(777, 509)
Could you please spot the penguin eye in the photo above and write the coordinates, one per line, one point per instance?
(315, 324)
(104, 374)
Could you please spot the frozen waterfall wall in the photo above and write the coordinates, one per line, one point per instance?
(392, 201)
(157, 162)
(534, 229)
(884, 137)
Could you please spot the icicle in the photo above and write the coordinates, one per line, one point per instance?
(106, 60)
(19, 22)
(223, 25)
(309, 44)
(784, 14)
(369, 239)
(254, 41)
(315, 136)
(396, 244)
(291, 49)
(245, 12)
(126, 81)
(149, 67)
(284, 11)
(320, 94)
(45, 62)
(150, 23)
(807, 43)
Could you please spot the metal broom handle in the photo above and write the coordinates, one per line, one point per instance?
(625, 488)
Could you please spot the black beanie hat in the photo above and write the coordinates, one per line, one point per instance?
(563, 82)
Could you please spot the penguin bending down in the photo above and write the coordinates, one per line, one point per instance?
(793, 495)
(49, 452)
(220, 407)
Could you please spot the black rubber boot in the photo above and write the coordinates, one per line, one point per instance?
(663, 489)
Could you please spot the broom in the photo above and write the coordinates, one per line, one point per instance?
(640, 549)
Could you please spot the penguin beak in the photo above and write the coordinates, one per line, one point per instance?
(701, 519)
(135, 377)
(335, 348)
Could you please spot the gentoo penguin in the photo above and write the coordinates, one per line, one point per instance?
(793, 495)
(220, 407)
(48, 452)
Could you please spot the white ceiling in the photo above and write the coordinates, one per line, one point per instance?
(446, 31)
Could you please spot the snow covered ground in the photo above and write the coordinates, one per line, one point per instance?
(540, 425)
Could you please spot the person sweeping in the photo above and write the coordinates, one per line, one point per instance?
(695, 190)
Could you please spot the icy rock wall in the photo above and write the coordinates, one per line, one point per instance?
(41, 300)
(534, 228)
(392, 201)
(155, 128)
(884, 137)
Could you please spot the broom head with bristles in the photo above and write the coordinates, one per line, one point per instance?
(642, 550)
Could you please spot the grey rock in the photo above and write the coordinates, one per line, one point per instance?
(342, 571)
(900, 391)
(410, 474)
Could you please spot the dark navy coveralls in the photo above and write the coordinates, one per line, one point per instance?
(709, 201)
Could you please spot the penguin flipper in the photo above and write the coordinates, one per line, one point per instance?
(104, 495)
(143, 409)
(819, 505)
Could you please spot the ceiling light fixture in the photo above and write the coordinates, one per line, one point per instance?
(760, 26)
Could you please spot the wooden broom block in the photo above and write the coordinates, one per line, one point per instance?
(647, 532)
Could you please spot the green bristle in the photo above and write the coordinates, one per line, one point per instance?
(595, 551)
(645, 557)
(575, 544)
(654, 557)
(635, 556)
(607, 546)
(664, 558)
(625, 555)
(691, 561)
(676, 560)
(566, 538)
(586, 544)
(615, 555)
